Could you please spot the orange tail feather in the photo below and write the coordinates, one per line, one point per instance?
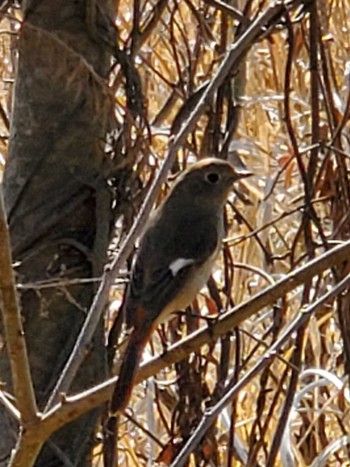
(131, 359)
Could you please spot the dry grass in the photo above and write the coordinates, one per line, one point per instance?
(184, 51)
(271, 231)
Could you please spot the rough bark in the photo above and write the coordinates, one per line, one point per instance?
(57, 200)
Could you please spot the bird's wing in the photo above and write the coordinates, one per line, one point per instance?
(164, 265)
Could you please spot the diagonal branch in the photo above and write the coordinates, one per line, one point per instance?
(73, 406)
(211, 415)
(14, 334)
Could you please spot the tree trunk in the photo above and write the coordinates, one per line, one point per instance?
(57, 200)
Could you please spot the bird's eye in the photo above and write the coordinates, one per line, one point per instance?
(212, 177)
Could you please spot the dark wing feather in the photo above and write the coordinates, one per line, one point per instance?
(153, 284)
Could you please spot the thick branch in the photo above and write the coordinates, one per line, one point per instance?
(74, 406)
(14, 334)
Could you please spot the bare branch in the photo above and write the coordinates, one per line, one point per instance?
(73, 406)
(15, 339)
(232, 392)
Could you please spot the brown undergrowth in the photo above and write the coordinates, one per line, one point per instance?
(282, 110)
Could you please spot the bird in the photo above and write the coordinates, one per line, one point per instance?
(176, 255)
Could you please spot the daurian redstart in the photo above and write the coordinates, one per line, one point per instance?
(176, 255)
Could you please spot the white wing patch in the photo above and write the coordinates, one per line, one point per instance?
(179, 264)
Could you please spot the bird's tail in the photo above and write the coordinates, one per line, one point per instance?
(132, 356)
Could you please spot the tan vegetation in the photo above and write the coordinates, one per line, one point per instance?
(285, 111)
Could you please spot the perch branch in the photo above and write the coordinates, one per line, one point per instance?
(73, 406)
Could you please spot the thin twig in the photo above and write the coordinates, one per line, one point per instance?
(211, 414)
(229, 10)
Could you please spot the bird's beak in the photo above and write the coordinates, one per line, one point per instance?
(243, 173)
(239, 174)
